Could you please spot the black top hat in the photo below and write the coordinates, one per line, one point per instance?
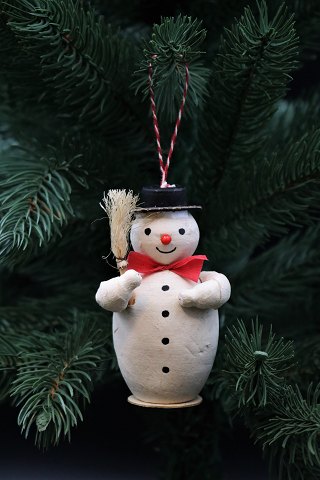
(156, 199)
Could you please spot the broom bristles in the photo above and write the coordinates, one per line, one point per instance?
(119, 206)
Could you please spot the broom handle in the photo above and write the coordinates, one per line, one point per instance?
(122, 270)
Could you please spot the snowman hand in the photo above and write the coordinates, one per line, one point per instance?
(186, 298)
(131, 280)
(114, 294)
(203, 295)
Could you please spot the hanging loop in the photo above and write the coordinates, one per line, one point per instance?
(164, 167)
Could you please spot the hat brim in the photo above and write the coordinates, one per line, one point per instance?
(168, 209)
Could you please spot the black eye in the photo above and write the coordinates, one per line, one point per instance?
(147, 231)
(182, 231)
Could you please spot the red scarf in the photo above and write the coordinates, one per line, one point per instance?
(189, 267)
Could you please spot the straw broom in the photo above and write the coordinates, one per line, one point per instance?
(120, 206)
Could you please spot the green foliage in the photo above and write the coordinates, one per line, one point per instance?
(34, 200)
(308, 351)
(51, 390)
(249, 75)
(173, 44)
(253, 365)
(308, 23)
(19, 83)
(280, 418)
(282, 192)
(293, 119)
(291, 435)
(294, 259)
(82, 61)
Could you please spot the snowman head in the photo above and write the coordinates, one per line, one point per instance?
(165, 236)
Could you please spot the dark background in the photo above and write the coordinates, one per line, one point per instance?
(110, 445)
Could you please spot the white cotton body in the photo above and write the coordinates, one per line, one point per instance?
(166, 341)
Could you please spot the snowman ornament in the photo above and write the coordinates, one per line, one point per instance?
(165, 320)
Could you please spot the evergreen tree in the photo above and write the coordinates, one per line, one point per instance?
(72, 127)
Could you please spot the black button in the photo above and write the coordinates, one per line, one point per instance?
(165, 369)
(165, 288)
(165, 313)
(165, 341)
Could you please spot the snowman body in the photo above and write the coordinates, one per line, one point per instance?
(165, 351)
(166, 340)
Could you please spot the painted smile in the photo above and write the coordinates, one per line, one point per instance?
(161, 251)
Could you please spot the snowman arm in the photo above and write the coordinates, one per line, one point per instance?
(223, 282)
(213, 292)
(114, 294)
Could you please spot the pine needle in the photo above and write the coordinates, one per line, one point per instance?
(119, 207)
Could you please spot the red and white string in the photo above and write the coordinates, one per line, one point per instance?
(164, 167)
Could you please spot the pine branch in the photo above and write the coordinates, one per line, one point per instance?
(56, 278)
(253, 366)
(24, 82)
(27, 312)
(54, 381)
(282, 192)
(25, 308)
(307, 347)
(280, 419)
(308, 23)
(250, 74)
(83, 62)
(291, 435)
(278, 278)
(216, 15)
(34, 200)
(293, 119)
(174, 43)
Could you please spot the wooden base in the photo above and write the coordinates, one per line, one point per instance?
(192, 403)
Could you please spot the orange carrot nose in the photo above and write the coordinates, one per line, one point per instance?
(165, 239)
